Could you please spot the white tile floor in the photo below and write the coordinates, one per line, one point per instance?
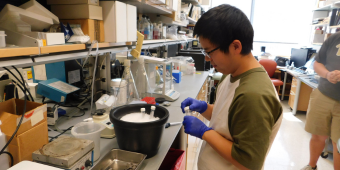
(290, 150)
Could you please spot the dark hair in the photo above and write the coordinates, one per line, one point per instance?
(224, 24)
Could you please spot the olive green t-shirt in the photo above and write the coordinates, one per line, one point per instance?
(252, 114)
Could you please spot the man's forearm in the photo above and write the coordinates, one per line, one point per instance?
(207, 114)
(222, 146)
(320, 69)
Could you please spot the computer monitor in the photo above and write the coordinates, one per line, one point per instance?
(299, 57)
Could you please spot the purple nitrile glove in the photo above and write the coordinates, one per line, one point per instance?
(194, 105)
(194, 127)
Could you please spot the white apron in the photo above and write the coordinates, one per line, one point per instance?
(208, 158)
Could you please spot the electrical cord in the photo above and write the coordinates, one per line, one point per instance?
(11, 156)
(55, 137)
(18, 81)
(21, 119)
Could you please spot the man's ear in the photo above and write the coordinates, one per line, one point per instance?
(236, 46)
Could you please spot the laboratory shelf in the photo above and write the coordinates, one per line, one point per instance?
(324, 8)
(61, 48)
(30, 56)
(194, 2)
(336, 26)
(323, 24)
(191, 20)
(18, 51)
(148, 7)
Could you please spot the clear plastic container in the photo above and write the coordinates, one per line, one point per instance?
(90, 131)
(117, 85)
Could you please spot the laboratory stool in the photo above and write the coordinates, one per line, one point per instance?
(270, 67)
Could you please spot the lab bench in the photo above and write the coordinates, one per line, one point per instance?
(189, 87)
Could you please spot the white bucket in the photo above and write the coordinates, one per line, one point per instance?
(2, 39)
(89, 131)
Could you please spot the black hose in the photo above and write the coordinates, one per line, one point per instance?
(10, 155)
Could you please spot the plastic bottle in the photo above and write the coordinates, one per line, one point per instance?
(4, 159)
(156, 33)
(152, 113)
(146, 27)
(142, 110)
(292, 66)
(150, 37)
(160, 25)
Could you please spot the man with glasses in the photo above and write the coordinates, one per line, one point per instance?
(247, 112)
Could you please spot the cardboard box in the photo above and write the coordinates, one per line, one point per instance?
(115, 21)
(32, 134)
(68, 2)
(90, 27)
(78, 11)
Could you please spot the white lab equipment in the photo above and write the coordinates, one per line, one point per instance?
(28, 165)
(4, 161)
(105, 102)
(91, 131)
(163, 89)
(2, 39)
(104, 119)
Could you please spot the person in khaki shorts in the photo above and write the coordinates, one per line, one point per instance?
(323, 114)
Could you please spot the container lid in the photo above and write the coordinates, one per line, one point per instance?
(142, 109)
(153, 107)
(186, 108)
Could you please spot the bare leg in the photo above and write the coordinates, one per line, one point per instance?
(316, 146)
(336, 157)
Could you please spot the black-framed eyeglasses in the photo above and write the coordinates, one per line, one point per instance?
(205, 53)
